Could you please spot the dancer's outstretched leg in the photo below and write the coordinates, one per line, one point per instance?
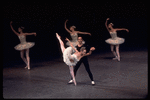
(61, 43)
(72, 74)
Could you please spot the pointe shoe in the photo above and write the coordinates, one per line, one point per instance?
(118, 58)
(115, 58)
(26, 67)
(70, 82)
(57, 35)
(93, 83)
(75, 83)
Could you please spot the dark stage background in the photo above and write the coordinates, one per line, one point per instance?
(47, 18)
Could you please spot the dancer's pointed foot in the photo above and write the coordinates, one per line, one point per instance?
(26, 67)
(29, 68)
(115, 58)
(74, 82)
(118, 58)
(70, 82)
(57, 35)
(93, 83)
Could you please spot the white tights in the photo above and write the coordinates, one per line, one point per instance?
(72, 74)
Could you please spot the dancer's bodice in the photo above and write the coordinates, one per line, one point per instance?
(22, 39)
(113, 35)
(74, 37)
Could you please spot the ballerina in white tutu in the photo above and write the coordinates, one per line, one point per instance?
(71, 58)
(114, 40)
(23, 46)
(74, 35)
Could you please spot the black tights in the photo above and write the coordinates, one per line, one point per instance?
(83, 60)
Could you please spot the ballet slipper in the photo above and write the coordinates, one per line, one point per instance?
(115, 58)
(70, 82)
(26, 67)
(118, 58)
(74, 82)
(93, 83)
(57, 35)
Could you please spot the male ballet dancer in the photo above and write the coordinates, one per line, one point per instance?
(83, 60)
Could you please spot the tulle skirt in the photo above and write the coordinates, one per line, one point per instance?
(67, 56)
(74, 43)
(115, 41)
(23, 46)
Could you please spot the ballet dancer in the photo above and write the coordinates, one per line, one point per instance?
(23, 46)
(114, 40)
(74, 34)
(72, 59)
(83, 60)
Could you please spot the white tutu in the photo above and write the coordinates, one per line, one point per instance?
(114, 40)
(67, 55)
(23, 44)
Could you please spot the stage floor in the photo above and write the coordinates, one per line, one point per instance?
(48, 79)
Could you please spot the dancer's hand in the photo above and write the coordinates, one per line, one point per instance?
(92, 48)
(35, 34)
(67, 39)
(107, 18)
(127, 30)
(66, 20)
(11, 22)
(89, 34)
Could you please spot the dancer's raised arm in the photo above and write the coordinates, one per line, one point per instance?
(13, 29)
(106, 24)
(66, 27)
